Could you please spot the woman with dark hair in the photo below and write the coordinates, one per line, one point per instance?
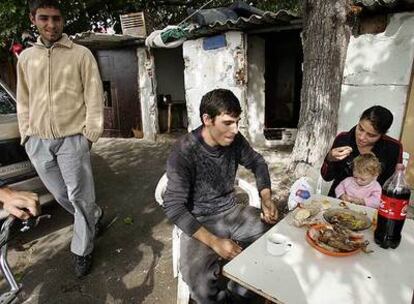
(367, 136)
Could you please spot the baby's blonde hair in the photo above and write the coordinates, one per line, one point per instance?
(367, 163)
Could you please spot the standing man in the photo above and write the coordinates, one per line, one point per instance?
(60, 111)
(199, 198)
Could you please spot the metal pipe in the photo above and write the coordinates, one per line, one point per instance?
(5, 269)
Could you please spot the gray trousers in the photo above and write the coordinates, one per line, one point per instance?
(201, 266)
(64, 166)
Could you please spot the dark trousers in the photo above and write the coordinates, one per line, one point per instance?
(201, 266)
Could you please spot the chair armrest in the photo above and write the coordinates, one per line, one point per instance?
(160, 189)
(252, 192)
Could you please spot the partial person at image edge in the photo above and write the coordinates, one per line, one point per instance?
(21, 204)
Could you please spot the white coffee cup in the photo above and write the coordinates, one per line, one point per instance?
(277, 244)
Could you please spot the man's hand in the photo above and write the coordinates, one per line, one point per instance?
(269, 212)
(226, 248)
(339, 153)
(21, 204)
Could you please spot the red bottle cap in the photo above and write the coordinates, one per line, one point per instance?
(400, 167)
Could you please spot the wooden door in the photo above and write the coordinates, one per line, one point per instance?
(283, 78)
(119, 72)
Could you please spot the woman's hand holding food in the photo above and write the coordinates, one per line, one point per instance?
(339, 153)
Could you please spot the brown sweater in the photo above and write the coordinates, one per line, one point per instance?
(59, 92)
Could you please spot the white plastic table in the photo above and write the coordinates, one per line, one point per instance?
(305, 275)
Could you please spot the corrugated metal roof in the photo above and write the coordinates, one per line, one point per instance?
(104, 40)
(268, 19)
(368, 3)
(384, 5)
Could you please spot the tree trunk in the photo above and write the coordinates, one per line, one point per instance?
(325, 41)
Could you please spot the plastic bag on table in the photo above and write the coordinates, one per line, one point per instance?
(300, 191)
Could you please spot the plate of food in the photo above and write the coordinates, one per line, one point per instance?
(351, 219)
(335, 240)
(304, 214)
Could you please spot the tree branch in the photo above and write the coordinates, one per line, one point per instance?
(175, 2)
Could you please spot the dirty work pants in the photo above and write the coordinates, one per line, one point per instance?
(64, 167)
(200, 265)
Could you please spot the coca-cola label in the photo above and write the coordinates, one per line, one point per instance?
(393, 208)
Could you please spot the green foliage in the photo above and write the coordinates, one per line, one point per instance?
(14, 18)
(294, 6)
(128, 220)
(81, 15)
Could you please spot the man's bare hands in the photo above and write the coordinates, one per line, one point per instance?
(21, 204)
(269, 212)
(339, 153)
(226, 248)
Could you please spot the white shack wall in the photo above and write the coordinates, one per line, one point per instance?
(377, 72)
(256, 90)
(206, 70)
(147, 91)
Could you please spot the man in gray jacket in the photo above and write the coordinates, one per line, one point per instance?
(60, 112)
(199, 198)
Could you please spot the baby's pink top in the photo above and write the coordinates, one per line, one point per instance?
(371, 193)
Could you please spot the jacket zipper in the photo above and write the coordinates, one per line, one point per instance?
(49, 52)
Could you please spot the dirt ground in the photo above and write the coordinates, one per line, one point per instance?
(133, 257)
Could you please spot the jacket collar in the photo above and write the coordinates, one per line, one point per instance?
(64, 41)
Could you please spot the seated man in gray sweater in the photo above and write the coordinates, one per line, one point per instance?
(200, 200)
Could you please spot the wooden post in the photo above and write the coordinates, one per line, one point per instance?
(169, 118)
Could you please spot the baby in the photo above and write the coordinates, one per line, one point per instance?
(362, 188)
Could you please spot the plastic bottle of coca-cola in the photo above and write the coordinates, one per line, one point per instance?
(393, 209)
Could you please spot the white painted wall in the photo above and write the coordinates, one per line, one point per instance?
(147, 91)
(377, 72)
(206, 70)
(256, 90)
(169, 69)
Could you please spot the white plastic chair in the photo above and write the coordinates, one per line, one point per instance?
(322, 186)
(183, 292)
